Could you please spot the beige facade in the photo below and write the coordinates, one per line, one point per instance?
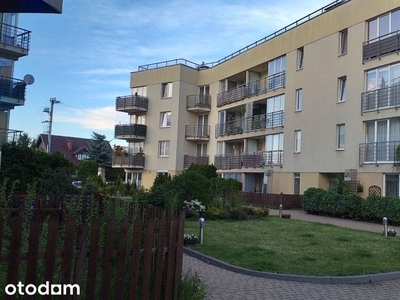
(317, 100)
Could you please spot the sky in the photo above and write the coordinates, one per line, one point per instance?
(84, 56)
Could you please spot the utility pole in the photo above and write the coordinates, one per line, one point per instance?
(50, 112)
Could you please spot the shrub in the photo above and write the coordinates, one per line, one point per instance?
(215, 213)
(192, 287)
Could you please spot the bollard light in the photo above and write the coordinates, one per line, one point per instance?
(385, 226)
(201, 229)
(280, 210)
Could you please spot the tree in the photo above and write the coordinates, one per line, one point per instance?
(100, 152)
(86, 169)
(208, 171)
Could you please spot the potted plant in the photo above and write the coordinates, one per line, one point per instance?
(190, 239)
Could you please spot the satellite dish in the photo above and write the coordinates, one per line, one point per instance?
(29, 79)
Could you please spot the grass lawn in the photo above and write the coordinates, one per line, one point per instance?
(297, 247)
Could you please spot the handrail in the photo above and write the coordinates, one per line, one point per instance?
(15, 36)
(291, 26)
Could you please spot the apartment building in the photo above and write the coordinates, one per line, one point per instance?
(294, 110)
(14, 44)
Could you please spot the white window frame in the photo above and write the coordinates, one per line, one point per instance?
(296, 183)
(163, 148)
(343, 41)
(166, 90)
(140, 91)
(340, 136)
(342, 88)
(297, 141)
(165, 119)
(300, 58)
(299, 99)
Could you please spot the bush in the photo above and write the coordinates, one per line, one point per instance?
(351, 206)
(216, 213)
(192, 287)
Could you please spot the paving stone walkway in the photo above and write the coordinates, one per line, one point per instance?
(224, 284)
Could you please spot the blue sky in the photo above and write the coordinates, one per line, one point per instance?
(84, 56)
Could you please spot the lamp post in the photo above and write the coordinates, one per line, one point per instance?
(201, 229)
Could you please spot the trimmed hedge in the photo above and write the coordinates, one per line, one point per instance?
(350, 206)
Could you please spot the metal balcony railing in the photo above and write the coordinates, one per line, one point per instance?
(14, 36)
(379, 152)
(251, 160)
(254, 88)
(194, 159)
(382, 45)
(198, 101)
(381, 98)
(9, 135)
(291, 26)
(12, 88)
(251, 124)
(197, 132)
(131, 131)
(128, 161)
(132, 102)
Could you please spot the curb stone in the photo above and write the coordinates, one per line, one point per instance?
(356, 279)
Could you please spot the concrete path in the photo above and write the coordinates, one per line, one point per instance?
(227, 284)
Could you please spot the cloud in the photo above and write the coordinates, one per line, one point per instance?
(103, 118)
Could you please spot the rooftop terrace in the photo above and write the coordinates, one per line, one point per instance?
(185, 62)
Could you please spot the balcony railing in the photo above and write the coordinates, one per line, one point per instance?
(251, 124)
(250, 160)
(287, 28)
(128, 161)
(15, 37)
(257, 87)
(198, 102)
(379, 152)
(130, 132)
(380, 98)
(193, 159)
(194, 132)
(132, 103)
(12, 88)
(9, 135)
(382, 45)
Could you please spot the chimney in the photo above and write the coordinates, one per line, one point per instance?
(69, 145)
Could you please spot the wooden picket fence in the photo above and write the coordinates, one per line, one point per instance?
(132, 258)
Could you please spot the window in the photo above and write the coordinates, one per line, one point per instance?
(275, 111)
(83, 156)
(342, 88)
(274, 148)
(140, 91)
(343, 42)
(383, 25)
(392, 185)
(296, 190)
(300, 58)
(297, 141)
(165, 119)
(299, 99)
(166, 90)
(341, 133)
(276, 73)
(163, 148)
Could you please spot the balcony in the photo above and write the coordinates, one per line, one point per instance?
(197, 133)
(193, 159)
(377, 153)
(14, 42)
(250, 160)
(251, 124)
(131, 132)
(37, 6)
(132, 104)
(254, 88)
(382, 45)
(12, 92)
(198, 103)
(375, 100)
(129, 161)
(9, 135)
